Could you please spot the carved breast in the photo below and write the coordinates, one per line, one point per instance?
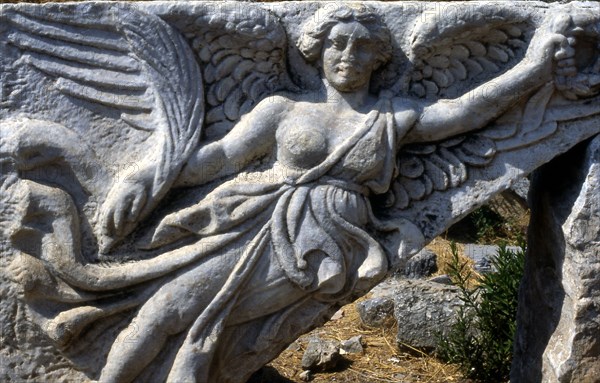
(301, 146)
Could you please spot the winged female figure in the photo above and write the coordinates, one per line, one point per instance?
(285, 231)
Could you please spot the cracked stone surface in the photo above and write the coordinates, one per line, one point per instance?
(187, 187)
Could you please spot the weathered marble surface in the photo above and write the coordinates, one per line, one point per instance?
(559, 313)
(187, 186)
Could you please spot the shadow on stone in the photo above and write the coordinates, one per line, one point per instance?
(268, 374)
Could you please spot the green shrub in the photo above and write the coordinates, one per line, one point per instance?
(484, 226)
(481, 341)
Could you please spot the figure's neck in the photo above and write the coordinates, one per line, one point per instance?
(355, 99)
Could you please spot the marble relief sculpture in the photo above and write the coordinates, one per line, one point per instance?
(188, 189)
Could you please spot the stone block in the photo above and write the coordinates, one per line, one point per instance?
(558, 334)
(424, 311)
(482, 255)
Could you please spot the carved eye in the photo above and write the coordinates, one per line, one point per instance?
(338, 43)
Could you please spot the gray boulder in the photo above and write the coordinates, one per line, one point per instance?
(376, 312)
(424, 310)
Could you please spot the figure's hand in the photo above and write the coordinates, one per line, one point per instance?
(551, 45)
(123, 208)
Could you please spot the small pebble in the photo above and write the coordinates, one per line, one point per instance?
(338, 314)
(306, 376)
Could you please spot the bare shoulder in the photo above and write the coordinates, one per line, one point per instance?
(274, 105)
(262, 121)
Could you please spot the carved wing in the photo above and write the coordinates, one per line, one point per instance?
(242, 51)
(131, 63)
(110, 59)
(150, 79)
(446, 57)
(445, 180)
(425, 168)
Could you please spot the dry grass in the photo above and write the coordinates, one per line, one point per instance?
(441, 247)
(382, 360)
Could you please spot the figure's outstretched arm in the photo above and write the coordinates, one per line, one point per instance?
(480, 106)
(253, 137)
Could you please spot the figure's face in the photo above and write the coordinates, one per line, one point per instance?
(349, 56)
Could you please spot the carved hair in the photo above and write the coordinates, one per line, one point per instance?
(317, 29)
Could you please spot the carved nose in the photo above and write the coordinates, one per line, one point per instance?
(349, 54)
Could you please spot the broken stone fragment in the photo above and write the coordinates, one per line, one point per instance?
(482, 256)
(443, 279)
(321, 355)
(352, 345)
